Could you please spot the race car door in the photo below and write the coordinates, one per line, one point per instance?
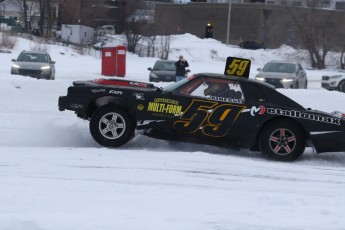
(210, 108)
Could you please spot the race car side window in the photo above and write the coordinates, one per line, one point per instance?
(191, 86)
(217, 89)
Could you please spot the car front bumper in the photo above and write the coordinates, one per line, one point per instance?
(279, 83)
(328, 141)
(40, 74)
(328, 85)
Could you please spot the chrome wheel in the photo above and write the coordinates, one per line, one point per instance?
(282, 141)
(112, 125)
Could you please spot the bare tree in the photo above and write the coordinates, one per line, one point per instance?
(137, 22)
(25, 15)
(316, 33)
(164, 50)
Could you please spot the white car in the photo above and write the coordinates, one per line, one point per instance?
(283, 74)
(334, 82)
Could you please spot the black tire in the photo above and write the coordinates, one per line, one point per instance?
(111, 126)
(306, 85)
(282, 140)
(341, 86)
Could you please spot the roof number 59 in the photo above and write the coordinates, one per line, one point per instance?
(237, 67)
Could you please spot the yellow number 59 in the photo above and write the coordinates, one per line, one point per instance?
(237, 67)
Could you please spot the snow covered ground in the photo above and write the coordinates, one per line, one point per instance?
(54, 176)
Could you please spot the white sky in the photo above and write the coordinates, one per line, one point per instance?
(54, 176)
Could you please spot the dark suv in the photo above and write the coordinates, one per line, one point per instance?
(35, 64)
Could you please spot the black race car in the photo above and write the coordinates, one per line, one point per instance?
(205, 108)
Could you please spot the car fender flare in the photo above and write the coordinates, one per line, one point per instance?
(339, 85)
(256, 144)
(104, 100)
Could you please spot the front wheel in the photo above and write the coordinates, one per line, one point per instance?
(111, 126)
(306, 85)
(282, 140)
(342, 86)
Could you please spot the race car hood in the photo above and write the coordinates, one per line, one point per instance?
(115, 82)
(336, 114)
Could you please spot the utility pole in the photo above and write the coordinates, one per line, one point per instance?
(229, 22)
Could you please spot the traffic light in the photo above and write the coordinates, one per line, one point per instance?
(209, 31)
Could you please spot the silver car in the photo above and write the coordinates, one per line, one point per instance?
(334, 82)
(282, 74)
(35, 64)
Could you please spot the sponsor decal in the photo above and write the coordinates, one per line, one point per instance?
(139, 96)
(76, 106)
(166, 100)
(228, 100)
(302, 115)
(140, 107)
(209, 117)
(115, 92)
(257, 110)
(98, 90)
(165, 106)
(254, 110)
(260, 110)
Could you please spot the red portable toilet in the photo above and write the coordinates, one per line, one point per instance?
(114, 61)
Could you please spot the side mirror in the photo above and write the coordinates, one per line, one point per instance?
(52, 62)
(188, 70)
(13, 60)
(149, 68)
(258, 69)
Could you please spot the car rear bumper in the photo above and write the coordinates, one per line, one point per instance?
(62, 103)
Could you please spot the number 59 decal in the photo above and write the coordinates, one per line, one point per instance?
(237, 67)
(213, 119)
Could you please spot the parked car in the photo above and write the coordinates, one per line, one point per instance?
(252, 45)
(105, 30)
(35, 64)
(283, 74)
(163, 70)
(205, 108)
(334, 82)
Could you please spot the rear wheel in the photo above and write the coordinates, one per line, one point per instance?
(111, 126)
(282, 140)
(342, 86)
